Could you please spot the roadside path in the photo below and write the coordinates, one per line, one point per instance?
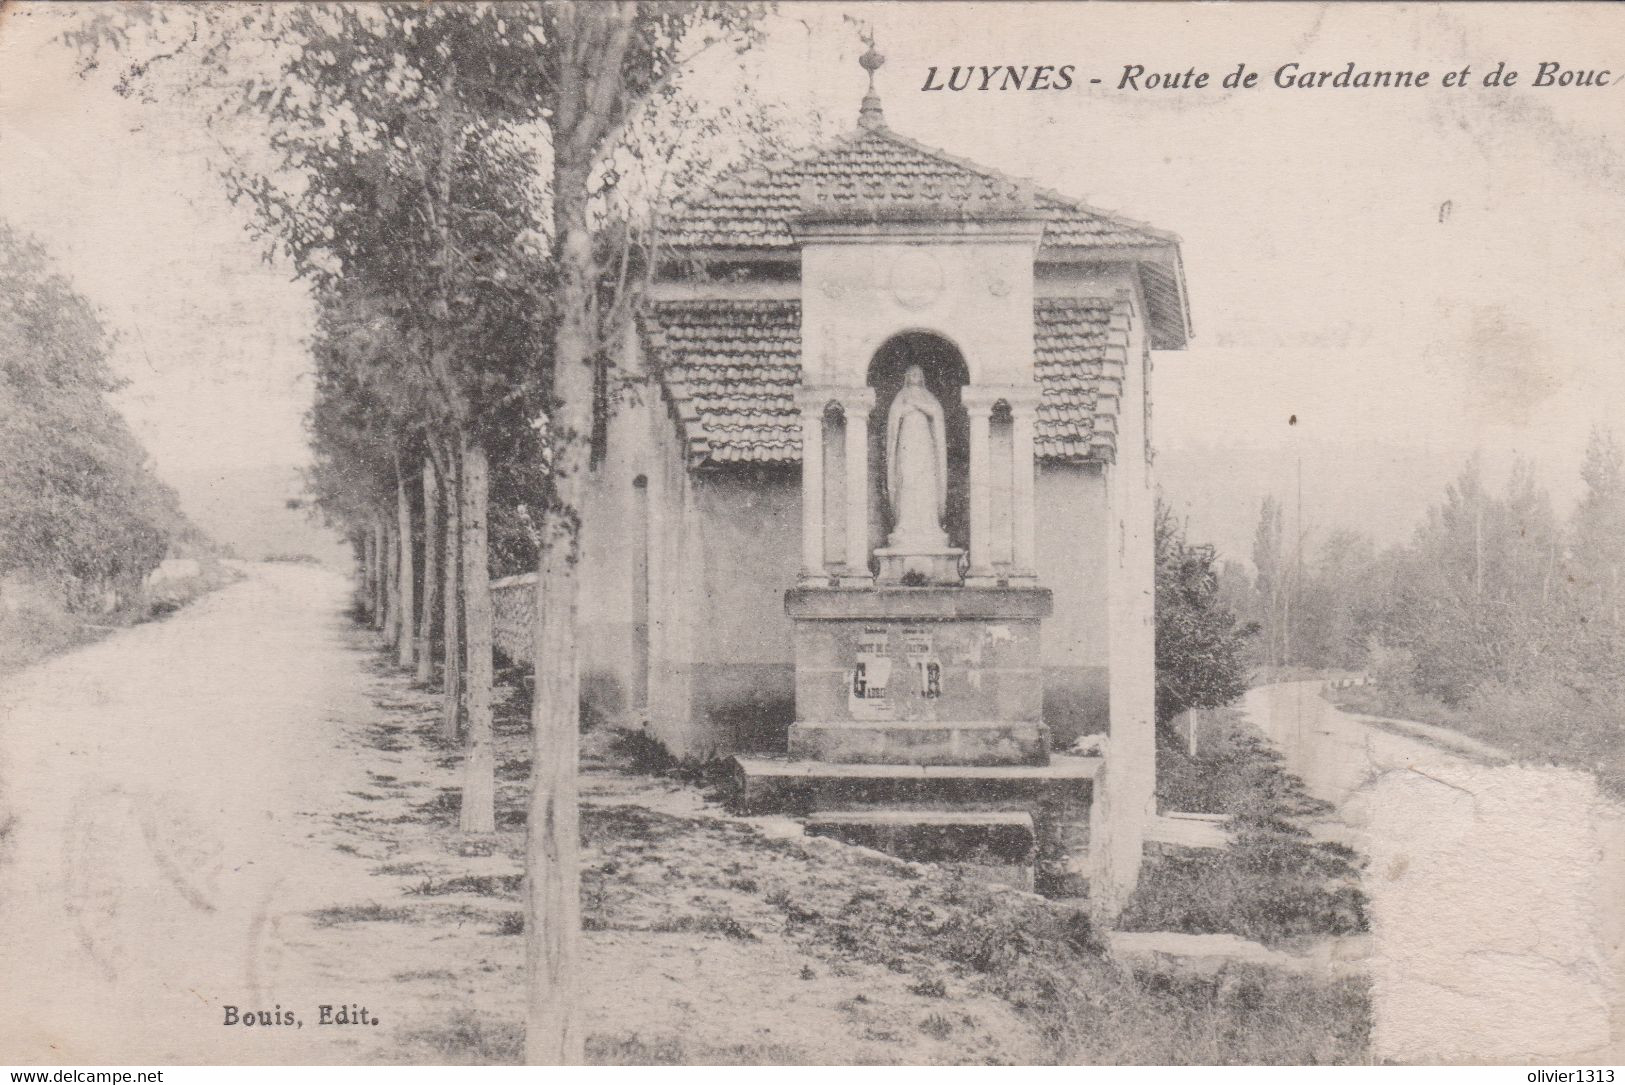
(245, 805)
(159, 849)
(1495, 889)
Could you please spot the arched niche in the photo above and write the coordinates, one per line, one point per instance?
(946, 374)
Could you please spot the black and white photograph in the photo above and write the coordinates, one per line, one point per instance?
(580, 533)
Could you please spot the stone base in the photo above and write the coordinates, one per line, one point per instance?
(919, 709)
(936, 565)
(901, 660)
(1000, 578)
(920, 742)
(900, 808)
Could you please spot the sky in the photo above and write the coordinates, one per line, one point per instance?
(1413, 274)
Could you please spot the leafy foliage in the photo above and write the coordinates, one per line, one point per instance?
(1200, 645)
(78, 503)
(1496, 618)
(1598, 566)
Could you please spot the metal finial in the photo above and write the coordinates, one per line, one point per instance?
(871, 60)
(871, 115)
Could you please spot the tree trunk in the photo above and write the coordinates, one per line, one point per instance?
(552, 859)
(392, 568)
(593, 40)
(553, 862)
(479, 758)
(431, 571)
(380, 551)
(407, 639)
(369, 574)
(451, 718)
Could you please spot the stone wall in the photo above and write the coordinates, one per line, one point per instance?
(923, 277)
(513, 615)
(1072, 527)
(742, 652)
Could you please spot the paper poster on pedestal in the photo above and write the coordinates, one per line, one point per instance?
(867, 697)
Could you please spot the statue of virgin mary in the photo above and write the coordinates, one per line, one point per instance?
(916, 466)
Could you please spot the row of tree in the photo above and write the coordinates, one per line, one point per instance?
(1489, 585)
(1494, 599)
(80, 509)
(469, 192)
(1496, 616)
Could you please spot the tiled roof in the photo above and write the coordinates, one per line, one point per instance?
(731, 368)
(1079, 378)
(875, 170)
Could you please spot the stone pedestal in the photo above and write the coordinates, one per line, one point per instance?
(921, 676)
(938, 565)
(919, 731)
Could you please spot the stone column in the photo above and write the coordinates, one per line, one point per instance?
(812, 402)
(857, 403)
(979, 407)
(1023, 417)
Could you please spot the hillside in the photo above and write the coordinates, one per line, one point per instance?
(247, 509)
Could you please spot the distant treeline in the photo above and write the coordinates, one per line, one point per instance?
(80, 512)
(1497, 616)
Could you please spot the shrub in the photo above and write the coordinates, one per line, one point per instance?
(1200, 645)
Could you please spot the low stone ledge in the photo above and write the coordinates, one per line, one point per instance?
(917, 604)
(922, 742)
(1207, 955)
(1060, 767)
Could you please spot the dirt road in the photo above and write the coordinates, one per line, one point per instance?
(1498, 928)
(156, 792)
(244, 806)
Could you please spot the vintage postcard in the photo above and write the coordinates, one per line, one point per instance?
(816, 533)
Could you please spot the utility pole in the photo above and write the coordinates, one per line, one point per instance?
(1297, 570)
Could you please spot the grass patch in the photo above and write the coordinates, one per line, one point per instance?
(444, 809)
(934, 943)
(32, 633)
(1274, 884)
(1263, 889)
(633, 1049)
(1040, 957)
(930, 987)
(727, 926)
(41, 626)
(1576, 726)
(642, 753)
(483, 885)
(469, 1039)
(370, 912)
(401, 870)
